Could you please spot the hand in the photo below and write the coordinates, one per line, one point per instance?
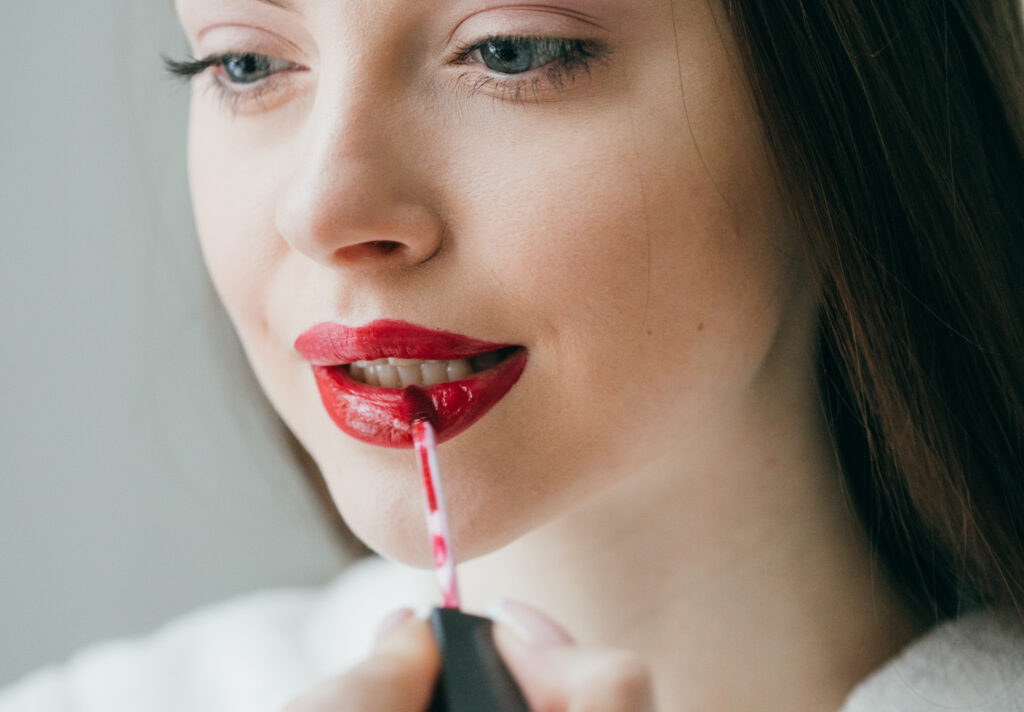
(398, 676)
(554, 673)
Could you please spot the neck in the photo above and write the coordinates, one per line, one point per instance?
(745, 580)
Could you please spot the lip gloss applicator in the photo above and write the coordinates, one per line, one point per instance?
(473, 677)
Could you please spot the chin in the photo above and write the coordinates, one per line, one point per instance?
(395, 528)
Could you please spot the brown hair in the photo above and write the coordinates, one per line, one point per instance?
(897, 128)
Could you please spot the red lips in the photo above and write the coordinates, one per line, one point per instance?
(380, 416)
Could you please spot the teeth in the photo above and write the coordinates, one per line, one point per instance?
(371, 376)
(459, 369)
(388, 376)
(410, 375)
(400, 372)
(434, 372)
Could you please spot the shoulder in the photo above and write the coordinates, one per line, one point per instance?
(252, 653)
(974, 662)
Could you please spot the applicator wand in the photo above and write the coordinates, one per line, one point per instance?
(473, 677)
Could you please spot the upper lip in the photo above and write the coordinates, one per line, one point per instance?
(330, 344)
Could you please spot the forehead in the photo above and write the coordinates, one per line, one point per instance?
(624, 17)
(580, 6)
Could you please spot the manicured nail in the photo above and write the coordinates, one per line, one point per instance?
(394, 621)
(528, 623)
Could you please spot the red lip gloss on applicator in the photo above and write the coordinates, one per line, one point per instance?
(473, 676)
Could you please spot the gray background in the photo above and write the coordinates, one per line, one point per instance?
(140, 472)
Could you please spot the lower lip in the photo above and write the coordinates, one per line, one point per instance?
(380, 416)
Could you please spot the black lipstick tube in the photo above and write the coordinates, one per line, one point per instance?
(473, 676)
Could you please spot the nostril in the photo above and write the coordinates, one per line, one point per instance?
(368, 252)
(385, 246)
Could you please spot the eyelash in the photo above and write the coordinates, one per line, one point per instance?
(570, 55)
(231, 99)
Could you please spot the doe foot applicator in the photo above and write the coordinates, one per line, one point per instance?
(473, 677)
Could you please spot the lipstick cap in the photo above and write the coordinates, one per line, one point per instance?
(473, 676)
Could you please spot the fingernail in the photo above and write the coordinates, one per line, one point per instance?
(528, 623)
(394, 621)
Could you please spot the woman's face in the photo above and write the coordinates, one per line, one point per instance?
(605, 202)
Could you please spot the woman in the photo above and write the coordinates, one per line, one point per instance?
(741, 289)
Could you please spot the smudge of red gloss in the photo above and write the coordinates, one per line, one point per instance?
(440, 551)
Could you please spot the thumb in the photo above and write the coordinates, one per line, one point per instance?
(398, 676)
(556, 674)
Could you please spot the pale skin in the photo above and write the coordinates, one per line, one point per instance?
(660, 481)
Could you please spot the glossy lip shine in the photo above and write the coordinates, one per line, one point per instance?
(380, 416)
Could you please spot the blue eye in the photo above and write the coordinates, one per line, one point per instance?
(239, 67)
(251, 68)
(243, 77)
(524, 69)
(517, 55)
(512, 56)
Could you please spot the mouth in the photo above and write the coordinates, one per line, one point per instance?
(362, 372)
(392, 372)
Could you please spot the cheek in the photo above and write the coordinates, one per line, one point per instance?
(631, 250)
(646, 253)
(234, 213)
(234, 207)
(565, 241)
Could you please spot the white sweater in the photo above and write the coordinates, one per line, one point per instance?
(258, 652)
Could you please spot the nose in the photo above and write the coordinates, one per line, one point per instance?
(354, 199)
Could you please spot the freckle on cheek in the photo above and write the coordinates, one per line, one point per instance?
(700, 327)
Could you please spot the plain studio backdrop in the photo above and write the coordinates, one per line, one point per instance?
(140, 474)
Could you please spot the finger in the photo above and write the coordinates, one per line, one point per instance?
(399, 676)
(394, 621)
(529, 623)
(558, 676)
